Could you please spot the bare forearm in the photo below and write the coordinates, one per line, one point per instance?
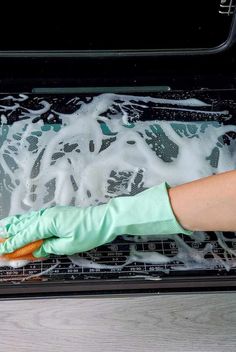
(208, 204)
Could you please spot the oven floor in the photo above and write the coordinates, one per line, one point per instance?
(127, 258)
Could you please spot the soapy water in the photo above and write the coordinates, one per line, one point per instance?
(201, 254)
(102, 150)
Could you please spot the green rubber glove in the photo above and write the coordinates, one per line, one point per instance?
(69, 230)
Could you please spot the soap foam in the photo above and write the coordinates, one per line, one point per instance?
(92, 156)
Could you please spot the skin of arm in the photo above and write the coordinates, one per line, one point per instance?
(208, 204)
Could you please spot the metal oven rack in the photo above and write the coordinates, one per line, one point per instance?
(227, 7)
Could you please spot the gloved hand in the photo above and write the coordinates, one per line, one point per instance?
(69, 230)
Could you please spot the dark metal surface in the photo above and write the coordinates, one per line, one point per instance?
(167, 29)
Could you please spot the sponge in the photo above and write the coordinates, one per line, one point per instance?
(24, 253)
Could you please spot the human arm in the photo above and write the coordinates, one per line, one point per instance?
(207, 204)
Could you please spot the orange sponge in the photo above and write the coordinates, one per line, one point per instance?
(24, 253)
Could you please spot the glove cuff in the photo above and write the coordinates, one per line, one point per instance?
(147, 213)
